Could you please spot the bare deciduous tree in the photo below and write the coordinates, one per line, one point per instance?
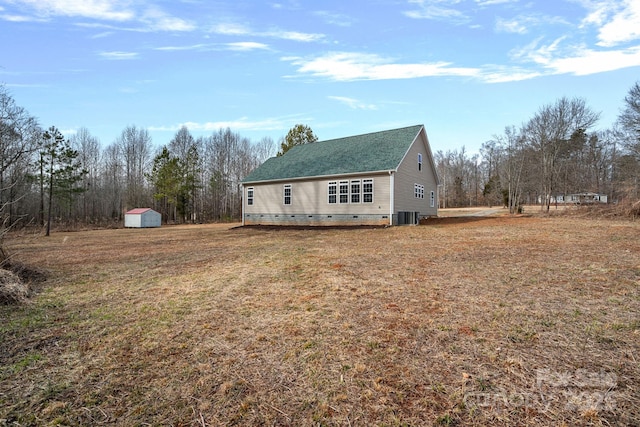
(549, 131)
(630, 119)
(89, 153)
(136, 150)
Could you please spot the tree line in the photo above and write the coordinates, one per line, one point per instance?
(555, 153)
(46, 178)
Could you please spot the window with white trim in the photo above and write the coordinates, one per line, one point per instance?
(418, 191)
(433, 199)
(367, 191)
(419, 161)
(333, 191)
(344, 191)
(287, 194)
(249, 196)
(355, 191)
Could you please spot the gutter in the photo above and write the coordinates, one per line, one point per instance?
(318, 177)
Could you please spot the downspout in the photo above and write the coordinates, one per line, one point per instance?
(391, 197)
(243, 199)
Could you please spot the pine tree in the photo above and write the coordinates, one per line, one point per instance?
(297, 135)
(59, 171)
(166, 179)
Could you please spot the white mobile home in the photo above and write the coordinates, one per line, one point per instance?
(382, 178)
(142, 218)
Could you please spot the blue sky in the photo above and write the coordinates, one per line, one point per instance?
(463, 68)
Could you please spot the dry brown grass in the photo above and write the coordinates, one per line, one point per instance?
(483, 321)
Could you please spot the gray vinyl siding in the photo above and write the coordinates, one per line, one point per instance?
(408, 175)
(310, 198)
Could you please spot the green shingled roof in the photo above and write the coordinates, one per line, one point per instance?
(373, 152)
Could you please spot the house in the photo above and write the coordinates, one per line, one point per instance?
(381, 178)
(579, 198)
(142, 218)
(587, 198)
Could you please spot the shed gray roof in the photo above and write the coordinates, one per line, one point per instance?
(372, 152)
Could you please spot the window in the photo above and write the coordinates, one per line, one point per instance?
(418, 191)
(344, 191)
(433, 199)
(367, 190)
(287, 194)
(250, 196)
(420, 161)
(355, 191)
(333, 191)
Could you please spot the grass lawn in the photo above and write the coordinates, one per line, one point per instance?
(478, 321)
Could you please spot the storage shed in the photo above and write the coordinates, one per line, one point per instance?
(142, 218)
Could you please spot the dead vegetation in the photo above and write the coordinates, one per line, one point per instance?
(625, 210)
(484, 321)
(12, 289)
(18, 282)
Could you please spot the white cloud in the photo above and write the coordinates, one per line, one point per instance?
(623, 27)
(515, 25)
(26, 85)
(437, 9)
(111, 10)
(349, 66)
(598, 11)
(293, 35)
(553, 58)
(493, 2)
(199, 46)
(538, 54)
(246, 46)
(158, 20)
(577, 59)
(243, 123)
(353, 103)
(236, 46)
(153, 18)
(616, 22)
(523, 24)
(588, 61)
(19, 18)
(334, 18)
(505, 74)
(102, 35)
(117, 56)
(231, 29)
